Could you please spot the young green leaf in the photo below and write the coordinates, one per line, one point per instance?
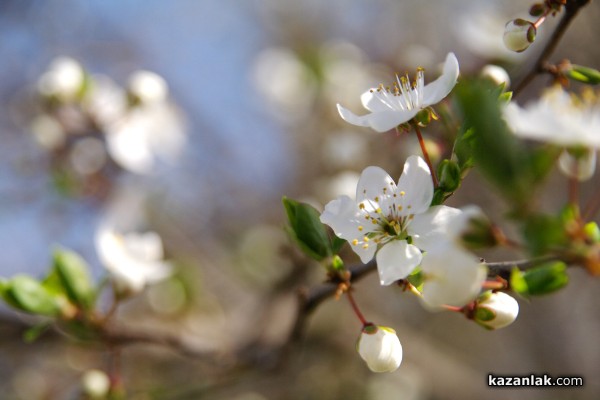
(73, 272)
(307, 230)
(544, 279)
(27, 294)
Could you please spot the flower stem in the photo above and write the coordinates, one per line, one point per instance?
(425, 154)
(573, 192)
(355, 308)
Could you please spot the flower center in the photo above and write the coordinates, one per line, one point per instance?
(403, 94)
(381, 227)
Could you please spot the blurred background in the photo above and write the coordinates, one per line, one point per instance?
(246, 114)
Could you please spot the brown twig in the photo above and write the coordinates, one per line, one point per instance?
(571, 9)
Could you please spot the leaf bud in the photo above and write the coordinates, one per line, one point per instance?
(537, 9)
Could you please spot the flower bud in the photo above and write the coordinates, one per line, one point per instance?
(495, 310)
(380, 348)
(578, 164)
(519, 34)
(496, 74)
(95, 384)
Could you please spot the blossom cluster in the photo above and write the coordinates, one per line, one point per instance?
(93, 119)
(396, 223)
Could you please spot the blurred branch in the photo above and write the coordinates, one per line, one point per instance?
(571, 9)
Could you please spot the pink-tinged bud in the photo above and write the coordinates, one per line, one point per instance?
(380, 348)
(494, 310)
(519, 34)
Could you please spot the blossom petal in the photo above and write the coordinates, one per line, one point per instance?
(396, 260)
(346, 219)
(383, 121)
(374, 182)
(380, 121)
(442, 86)
(453, 277)
(415, 188)
(374, 102)
(431, 228)
(351, 118)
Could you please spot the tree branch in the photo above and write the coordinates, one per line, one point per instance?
(571, 9)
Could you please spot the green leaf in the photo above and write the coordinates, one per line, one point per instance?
(73, 272)
(583, 74)
(306, 228)
(336, 244)
(592, 231)
(463, 148)
(541, 280)
(417, 279)
(27, 294)
(499, 155)
(449, 174)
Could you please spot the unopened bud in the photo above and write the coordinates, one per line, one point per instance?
(449, 175)
(380, 347)
(494, 310)
(519, 34)
(496, 74)
(95, 384)
(578, 164)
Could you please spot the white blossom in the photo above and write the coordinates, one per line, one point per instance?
(133, 260)
(496, 310)
(63, 79)
(392, 221)
(399, 103)
(565, 120)
(380, 347)
(557, 117)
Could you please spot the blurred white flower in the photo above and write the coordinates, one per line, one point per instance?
(495, 310)
(64, 79)
(48, 132)
(343, 183)
(563, 119)
(395, 105)
(88, 155)
(133, 260)
(105, 101)
(557, 117)
(95, 384)
(147, 133)
(148, 87)
(496, 74)
(380, 347)
(286, 83)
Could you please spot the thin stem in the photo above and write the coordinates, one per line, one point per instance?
(359, 314)
(425, 154)
(593, 206)
(574, 191)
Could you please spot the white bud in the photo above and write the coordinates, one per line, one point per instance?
(580, 166)
(496, 310)
(519, 34)
(496, 74)
(95, 384)
(64, 78)
(148, 86)
(380, 348)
